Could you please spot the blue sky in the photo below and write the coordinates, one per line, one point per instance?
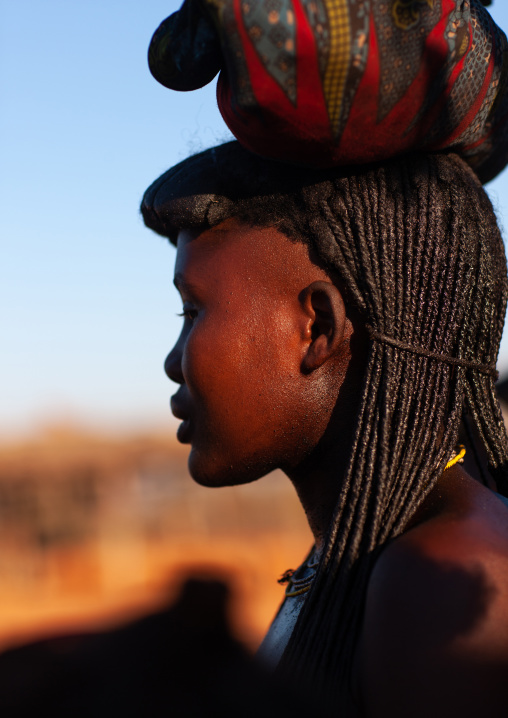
(87, 307)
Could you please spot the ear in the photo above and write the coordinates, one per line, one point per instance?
(326, 323)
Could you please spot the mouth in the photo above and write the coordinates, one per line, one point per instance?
(183, 433)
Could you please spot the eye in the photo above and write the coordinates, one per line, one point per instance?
(188, 313)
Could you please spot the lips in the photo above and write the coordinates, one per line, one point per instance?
(179, 410)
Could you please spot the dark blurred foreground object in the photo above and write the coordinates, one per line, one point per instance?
(182, 662)
(336, 82)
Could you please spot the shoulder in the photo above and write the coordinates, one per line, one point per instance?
(435, 634)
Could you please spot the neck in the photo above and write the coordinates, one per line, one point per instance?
(318, 479)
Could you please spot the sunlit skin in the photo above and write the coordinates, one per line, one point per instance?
(270, 363)
(258, 387)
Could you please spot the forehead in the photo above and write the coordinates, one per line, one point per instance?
(233, 253)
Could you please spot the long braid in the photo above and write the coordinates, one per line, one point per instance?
(403, 248)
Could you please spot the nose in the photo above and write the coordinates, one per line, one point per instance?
(173, 364)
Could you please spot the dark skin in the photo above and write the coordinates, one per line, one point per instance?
(270, 366)
(442, 587)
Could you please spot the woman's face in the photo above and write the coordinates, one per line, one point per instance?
(245, 403)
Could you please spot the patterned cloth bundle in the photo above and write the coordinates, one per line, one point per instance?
(322, 83)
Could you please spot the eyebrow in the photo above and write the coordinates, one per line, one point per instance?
(181, 283)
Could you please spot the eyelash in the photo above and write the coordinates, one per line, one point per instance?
(187, 314)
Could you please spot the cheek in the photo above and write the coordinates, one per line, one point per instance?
(207, 362)
(241, 373)
(252, 411)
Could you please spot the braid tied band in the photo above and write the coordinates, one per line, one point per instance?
(488, 369)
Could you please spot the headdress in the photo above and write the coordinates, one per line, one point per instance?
(336, 82)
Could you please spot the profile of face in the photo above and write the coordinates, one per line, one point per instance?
(262, 353)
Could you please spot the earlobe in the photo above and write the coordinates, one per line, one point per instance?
(325, 313)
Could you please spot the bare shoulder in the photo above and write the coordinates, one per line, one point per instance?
(435, 634)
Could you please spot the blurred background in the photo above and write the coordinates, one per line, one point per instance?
(98, 516)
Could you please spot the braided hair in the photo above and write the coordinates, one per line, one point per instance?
(417, 247)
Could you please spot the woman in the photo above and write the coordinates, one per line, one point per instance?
(341, 324)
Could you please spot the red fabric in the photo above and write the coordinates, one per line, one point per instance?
(416, 75)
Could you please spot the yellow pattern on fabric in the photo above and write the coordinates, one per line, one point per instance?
(406, 13)
(337, 67)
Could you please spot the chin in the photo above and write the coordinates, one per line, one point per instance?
(211, 472)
